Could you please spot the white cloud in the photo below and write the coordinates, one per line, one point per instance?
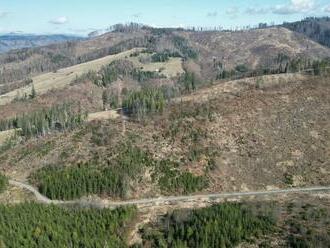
(294, 7)
(3, 14)
(10, 31)
(326, 9)
(233, 11)
(212, 14)
(256, 11)
(303, 5)
(283, 10)
(59, 20)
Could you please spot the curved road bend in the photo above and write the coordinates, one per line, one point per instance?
(43, 199)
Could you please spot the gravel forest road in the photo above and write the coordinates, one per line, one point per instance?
(43, 199)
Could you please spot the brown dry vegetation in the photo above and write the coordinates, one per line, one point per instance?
(276, 135)
(5, 135)
(248, 134)
(61, 78)
(251, 134)
(254, 48)
(57, 87)
(18, 64)
(256, 134)
(170, 68)
(86, 93)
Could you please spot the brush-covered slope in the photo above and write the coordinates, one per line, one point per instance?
(252, 134)
(207, 52)
(20, 64)
(256, 49)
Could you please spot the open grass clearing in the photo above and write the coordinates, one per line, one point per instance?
(103, 115)
(62, 78)
(170, 68)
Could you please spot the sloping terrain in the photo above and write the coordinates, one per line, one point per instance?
(165, 137)
(256, 49)
(152, 126)
(225, 135)
(318, 29)
(170, 68)
(265, 133)
(20, 64)
(293, 221)
(215, 51)
(62, 77)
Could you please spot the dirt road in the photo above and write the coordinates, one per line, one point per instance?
(173, 199)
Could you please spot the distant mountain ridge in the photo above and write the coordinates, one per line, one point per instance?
(212, 54)
(97, 33)
(14, 41)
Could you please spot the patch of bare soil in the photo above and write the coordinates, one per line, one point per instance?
(15, 195)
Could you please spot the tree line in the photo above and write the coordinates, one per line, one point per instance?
(184, 48)
(188, 82)
(144, 102)
(317, 29)
(75, 181)
(283, 64)
(35, 225)
(120, 69)
(39, 123)
(224, 225)
(164, 56)
(114, 177)
(172, 180)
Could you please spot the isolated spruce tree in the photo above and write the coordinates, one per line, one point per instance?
(3, 184)
(33, 92)
(105, 99)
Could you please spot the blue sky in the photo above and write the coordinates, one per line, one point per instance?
(84, 16)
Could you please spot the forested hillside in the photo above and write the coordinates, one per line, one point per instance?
(259, 224)
(58, 118)
(34, 225)
(225, 225)
(318, 29)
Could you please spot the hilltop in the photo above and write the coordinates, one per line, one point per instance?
(318, 29)
(261, 49)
